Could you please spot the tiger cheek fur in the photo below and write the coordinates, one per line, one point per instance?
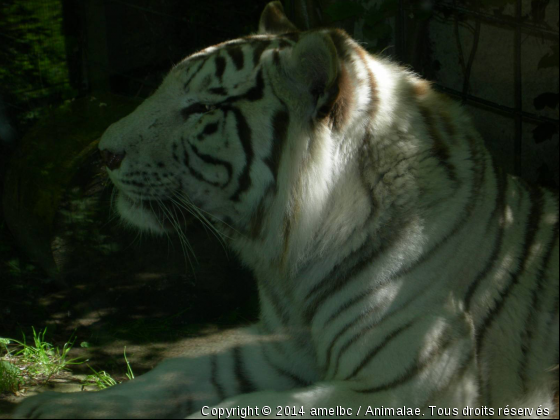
(397, 265)
(213, 149)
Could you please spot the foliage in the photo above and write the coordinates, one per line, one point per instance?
(42, 359)
(32, 364)
(129, 372)
(36, 364)
(102, 380)
(10, 379)
(33, 54)
(4, 344)
(30, 46)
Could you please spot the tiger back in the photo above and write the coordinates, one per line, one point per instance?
(400, 271)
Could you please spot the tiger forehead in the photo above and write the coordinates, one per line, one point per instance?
(240, 53)
(225, 66)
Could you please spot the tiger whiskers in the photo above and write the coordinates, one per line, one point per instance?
(173, 220)
(199, 216)
(112, 197)
(183, 201)
(180, 231)
(188, 201)
(114, 213)
(137, 239)
(185, 206)
(169, 241)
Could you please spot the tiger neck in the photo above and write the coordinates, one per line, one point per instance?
(288, 230)
(332, 179)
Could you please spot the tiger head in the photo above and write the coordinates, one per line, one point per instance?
(215, 136)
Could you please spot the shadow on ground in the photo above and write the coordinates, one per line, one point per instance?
(145, 297)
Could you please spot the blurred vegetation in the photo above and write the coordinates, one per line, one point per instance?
(32, 54)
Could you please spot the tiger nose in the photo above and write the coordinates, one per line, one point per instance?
(112, 160)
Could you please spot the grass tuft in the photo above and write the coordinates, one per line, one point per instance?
(24, 365)
(42, 360)
(102, 380)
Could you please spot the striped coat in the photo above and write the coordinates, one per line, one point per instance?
(398, 267)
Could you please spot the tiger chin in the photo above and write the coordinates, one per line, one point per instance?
(398, 267)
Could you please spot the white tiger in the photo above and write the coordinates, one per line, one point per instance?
(399, 270)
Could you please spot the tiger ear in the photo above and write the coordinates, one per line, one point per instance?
(274, 21)
(311, 67)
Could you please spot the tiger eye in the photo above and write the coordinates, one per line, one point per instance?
(197, 108)
(210, 108)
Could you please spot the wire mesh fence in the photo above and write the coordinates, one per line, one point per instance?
(520, 19)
